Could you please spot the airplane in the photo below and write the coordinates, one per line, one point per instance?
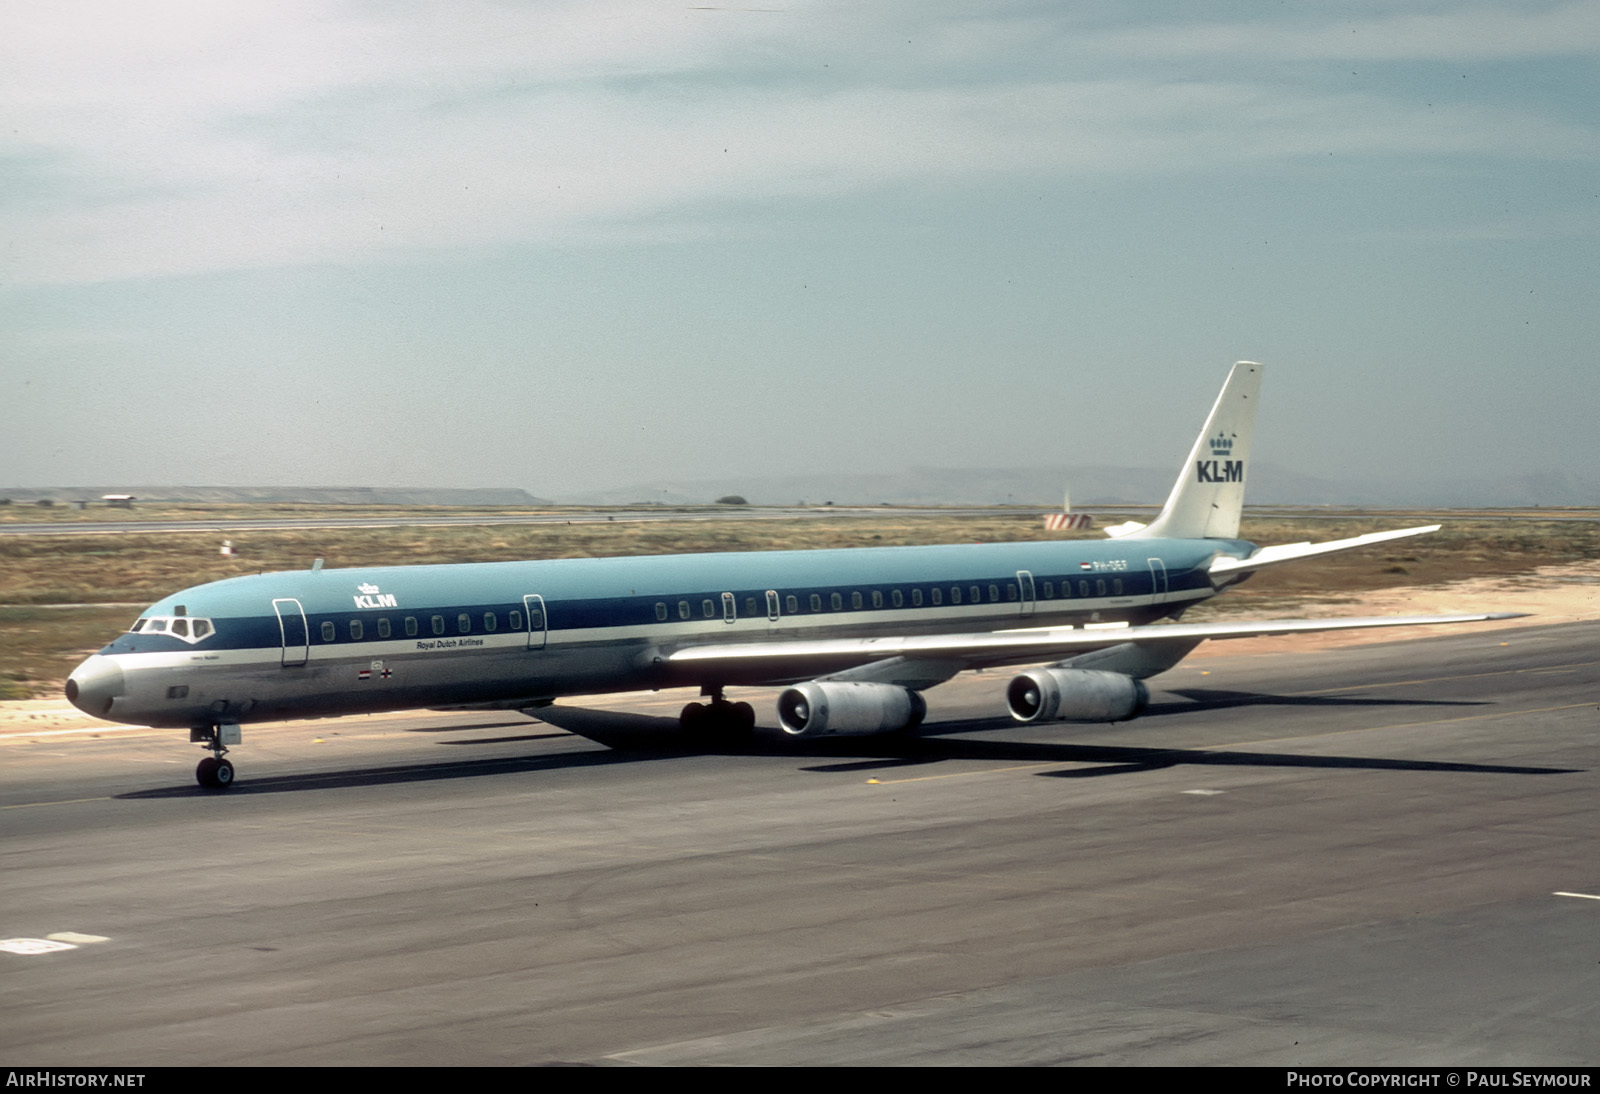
(853, 636)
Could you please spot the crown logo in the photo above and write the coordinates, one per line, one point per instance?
(366, 588)
(1221, 445)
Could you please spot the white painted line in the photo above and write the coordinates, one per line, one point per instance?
(1205, 793)
(68, 732)
(75, 938)
(1580, 896)
(33, 946)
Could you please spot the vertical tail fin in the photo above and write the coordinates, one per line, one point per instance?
(1207, 498)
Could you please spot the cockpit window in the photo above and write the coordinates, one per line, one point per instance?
(187, 627)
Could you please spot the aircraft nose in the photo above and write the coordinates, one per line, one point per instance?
(93, 685)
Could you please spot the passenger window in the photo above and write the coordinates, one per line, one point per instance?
(383, 627)
(793, 604)
(937, 595)
(955, 594)
(1049, 590)
(1011, 590)
(994, 594)
(750, 607)
(411, 626)
(977, 594)
(438, 624)
(1099, 586)
(1116, 585)
(514, 621)
(463, 622)
(896, 599)
(708, 609)
(877, 599)
(490, 622)
(327, 631)
(356, 630)
(535, 619)
(916, 598)
(661, 611)
(836, 600)
(683, 609)
(1083, 588)
(855, 601)
(816, 602)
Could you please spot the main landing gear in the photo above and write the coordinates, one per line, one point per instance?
(718, 722)
(214, 772)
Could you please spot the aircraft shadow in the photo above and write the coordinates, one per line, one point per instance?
(633, 738)
(638, 733)
(1220, 699)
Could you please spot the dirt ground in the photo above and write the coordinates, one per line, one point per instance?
(1550, 594)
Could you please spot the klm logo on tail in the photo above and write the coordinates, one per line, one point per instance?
(1220, 469)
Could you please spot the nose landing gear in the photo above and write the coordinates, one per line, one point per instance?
(214, 772)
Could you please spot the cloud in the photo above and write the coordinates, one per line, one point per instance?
(183, 137)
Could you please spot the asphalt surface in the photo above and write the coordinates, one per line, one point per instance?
(1343, 857)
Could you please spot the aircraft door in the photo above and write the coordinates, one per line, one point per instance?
(533, 604)
(1158, 580)
(1025, 585)
(293, 631)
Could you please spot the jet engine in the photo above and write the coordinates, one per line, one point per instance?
(844, 708)
(1075, 695)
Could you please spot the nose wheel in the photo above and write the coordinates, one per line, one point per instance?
(215, 772)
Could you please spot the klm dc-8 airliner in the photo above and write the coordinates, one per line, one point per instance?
(855, 636)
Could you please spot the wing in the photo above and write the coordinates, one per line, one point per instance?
(919, 661)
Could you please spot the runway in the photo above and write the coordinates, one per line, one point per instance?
(1343, 857)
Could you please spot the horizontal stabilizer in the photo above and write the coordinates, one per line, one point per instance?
(1293, 552)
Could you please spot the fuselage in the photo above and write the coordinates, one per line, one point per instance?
(338, 641)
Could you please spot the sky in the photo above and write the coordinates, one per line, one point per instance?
(576, 246)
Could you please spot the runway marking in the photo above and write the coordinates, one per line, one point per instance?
(1204, 793)
(68, 732)
(66, 801)
(76, 939)
(1580, 896)
(964, 774)
(32, 947)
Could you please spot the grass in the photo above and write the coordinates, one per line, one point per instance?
(39, 646)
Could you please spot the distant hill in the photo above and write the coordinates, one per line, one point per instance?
(313, 495)
(1095, 485)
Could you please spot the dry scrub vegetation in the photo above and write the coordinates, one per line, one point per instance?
(39, 645)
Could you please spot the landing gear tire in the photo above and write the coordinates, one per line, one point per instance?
(214, 773)
(719, 724)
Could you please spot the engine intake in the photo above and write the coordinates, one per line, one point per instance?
(1075, 695)
(842, 708)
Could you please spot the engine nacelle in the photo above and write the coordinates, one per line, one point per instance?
(843, 708)
(1075, 695)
